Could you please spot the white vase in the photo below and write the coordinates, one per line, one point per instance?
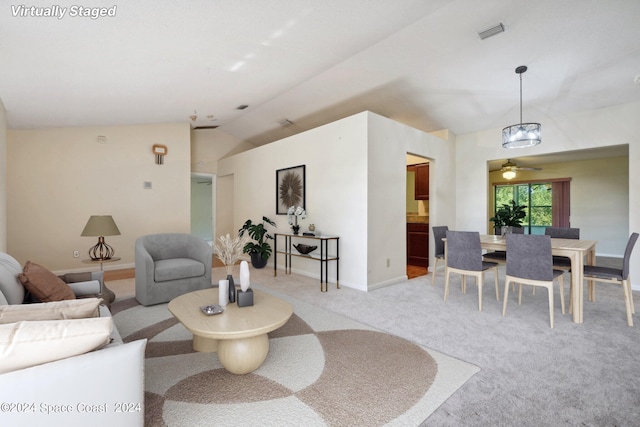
(245, 279)
(223, 292)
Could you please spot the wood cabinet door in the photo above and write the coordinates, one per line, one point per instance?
(422, 182)
(418, 244)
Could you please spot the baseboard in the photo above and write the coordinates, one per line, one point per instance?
(386, 283)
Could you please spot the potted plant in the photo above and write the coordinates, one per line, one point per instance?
(259, 250)
(508, 215)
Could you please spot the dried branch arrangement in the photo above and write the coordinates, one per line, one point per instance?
(229, 250)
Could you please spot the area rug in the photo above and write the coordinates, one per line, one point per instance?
(323, 369)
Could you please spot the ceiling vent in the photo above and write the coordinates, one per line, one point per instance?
(491, 31)
(204, 127)
(285, 123)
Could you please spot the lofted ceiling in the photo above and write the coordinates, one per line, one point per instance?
(315, 61)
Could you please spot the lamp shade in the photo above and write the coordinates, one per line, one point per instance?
(100, 225)
(524, 134)
(521, 135)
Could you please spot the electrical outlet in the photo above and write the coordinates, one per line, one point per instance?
(76, 254)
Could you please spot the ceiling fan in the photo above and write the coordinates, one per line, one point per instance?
(509, 169)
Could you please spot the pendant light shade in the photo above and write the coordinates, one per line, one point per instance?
(524, 134)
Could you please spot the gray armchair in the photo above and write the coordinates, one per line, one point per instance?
(169, 265)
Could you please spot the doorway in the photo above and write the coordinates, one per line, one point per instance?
(203, 199)
(417, 215)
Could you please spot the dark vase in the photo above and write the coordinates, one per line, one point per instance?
(295, 229)
(232, 288)
(257, 261)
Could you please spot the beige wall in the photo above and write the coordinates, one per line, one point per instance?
(210, 145)
(3, 177)
(57, 178)
(599, 198)
(207, 147)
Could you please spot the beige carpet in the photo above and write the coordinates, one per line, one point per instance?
(322, 369)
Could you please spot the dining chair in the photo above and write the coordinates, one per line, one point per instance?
(529, 262)
(501, 256)
(617, 276)
(439, 233)
(464, 256)
(562, 262)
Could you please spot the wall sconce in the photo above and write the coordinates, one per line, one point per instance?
(160, 151)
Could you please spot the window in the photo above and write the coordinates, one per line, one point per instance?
(548, 202)
(538, 199)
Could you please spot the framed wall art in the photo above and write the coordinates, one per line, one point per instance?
(290, 188)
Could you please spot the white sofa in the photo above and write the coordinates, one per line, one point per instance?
(104, 387)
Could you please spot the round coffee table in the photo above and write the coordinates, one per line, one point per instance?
(239, 334)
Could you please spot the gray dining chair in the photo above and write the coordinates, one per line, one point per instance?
(529, 262)
(501, 256)
(464, 256)
(439, 233)
(562, 262)
(617, 276)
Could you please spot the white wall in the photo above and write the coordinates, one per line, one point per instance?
(389, 143)
(3, 177)
(590, 129)
(57, 178)
(355, 188)
(335, 160)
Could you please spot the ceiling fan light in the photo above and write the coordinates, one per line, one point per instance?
(521, 135)
(508, 174)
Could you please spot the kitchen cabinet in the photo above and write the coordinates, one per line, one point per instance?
(422, 181)
(418, 244)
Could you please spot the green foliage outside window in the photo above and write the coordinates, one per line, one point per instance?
(536, 196)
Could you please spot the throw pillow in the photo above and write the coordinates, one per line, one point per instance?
(57, 310)
(30, 343)
(43, 284)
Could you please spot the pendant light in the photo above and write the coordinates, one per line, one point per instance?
(524, 134)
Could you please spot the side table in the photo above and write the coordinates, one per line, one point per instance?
(107, 294)
(324, 256)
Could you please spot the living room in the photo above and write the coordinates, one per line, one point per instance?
(67, 165)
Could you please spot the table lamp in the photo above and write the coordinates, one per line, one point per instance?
(101, 225)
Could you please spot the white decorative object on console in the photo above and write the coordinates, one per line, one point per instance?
(245, 276)
(223, 292)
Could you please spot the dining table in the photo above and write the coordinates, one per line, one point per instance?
(580, 252)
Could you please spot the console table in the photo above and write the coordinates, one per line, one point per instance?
(323, 257)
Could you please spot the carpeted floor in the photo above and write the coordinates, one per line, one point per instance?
(531, 375)
(322, 369)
